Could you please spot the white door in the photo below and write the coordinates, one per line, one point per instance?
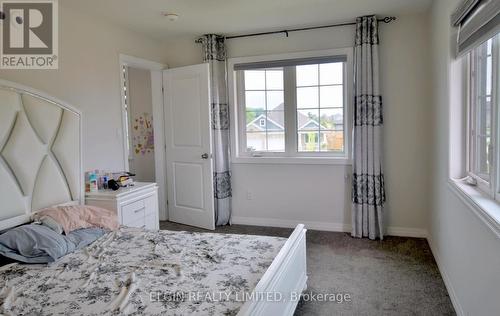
(188, 139)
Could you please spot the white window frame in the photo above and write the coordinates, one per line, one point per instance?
(491, 186)
(235, 84)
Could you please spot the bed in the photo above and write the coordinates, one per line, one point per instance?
(128, 271)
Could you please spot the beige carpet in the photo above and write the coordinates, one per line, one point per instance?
(397, 276)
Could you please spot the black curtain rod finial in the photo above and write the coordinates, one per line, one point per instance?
(388, 19)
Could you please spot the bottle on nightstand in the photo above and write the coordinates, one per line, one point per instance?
(93, 182)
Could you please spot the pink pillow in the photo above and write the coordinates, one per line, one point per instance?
(80, 216)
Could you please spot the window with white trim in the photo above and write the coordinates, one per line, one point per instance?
(262, 94)
(320, 107)
(293, 107)
(483, 114)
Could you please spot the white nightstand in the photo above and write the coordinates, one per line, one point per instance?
(136, 206)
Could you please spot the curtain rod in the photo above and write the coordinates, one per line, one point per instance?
(387, 19)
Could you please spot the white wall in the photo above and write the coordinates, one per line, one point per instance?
(142, 163)
(88, 78)
(467, 251)
(287, 194)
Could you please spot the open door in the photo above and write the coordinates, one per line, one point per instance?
(188, 145)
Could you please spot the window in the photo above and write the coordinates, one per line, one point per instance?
(483, 113)
(292, 107)
(320, 107)
(264, 112)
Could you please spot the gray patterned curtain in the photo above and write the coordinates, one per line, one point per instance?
(368, 193)
(214, 53)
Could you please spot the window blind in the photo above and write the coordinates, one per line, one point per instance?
(290, 62)
(477, 20)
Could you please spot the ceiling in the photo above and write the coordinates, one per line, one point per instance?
(231, 17)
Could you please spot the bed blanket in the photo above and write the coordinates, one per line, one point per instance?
(139, 272)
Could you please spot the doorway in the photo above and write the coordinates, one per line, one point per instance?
(140, 131)
(143, 125)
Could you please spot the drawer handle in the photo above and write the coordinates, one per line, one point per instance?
(138, 210)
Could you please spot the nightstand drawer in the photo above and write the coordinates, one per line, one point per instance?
(134, 211)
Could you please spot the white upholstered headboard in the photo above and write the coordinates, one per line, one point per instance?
(40, 153)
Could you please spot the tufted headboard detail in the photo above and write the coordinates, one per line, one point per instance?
(40, 153)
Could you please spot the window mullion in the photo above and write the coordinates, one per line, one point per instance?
(290, 111)
(319, 110)
(475, 126)
(470, 108)
(495, 99)
(242, 131)
(265, 109)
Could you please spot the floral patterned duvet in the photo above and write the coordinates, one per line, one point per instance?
(138, 272)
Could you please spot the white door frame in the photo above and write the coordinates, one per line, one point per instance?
(158, 123)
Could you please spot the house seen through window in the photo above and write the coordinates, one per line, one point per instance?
(320, 107)
(264, 105)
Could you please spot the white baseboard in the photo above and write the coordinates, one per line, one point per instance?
(451, 291)
(406, 232)
(275, 222)
(323, 226)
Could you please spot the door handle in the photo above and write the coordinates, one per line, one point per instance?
(204, 156)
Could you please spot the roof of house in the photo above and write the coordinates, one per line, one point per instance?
(276, 117)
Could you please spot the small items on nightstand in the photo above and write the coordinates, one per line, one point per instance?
(100, 180)
(93, 185)
(113, 185)
(125, 181)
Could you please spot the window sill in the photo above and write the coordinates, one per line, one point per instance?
(483, 206)
(293, 160)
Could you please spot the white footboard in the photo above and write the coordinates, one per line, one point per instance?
(278, 292)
